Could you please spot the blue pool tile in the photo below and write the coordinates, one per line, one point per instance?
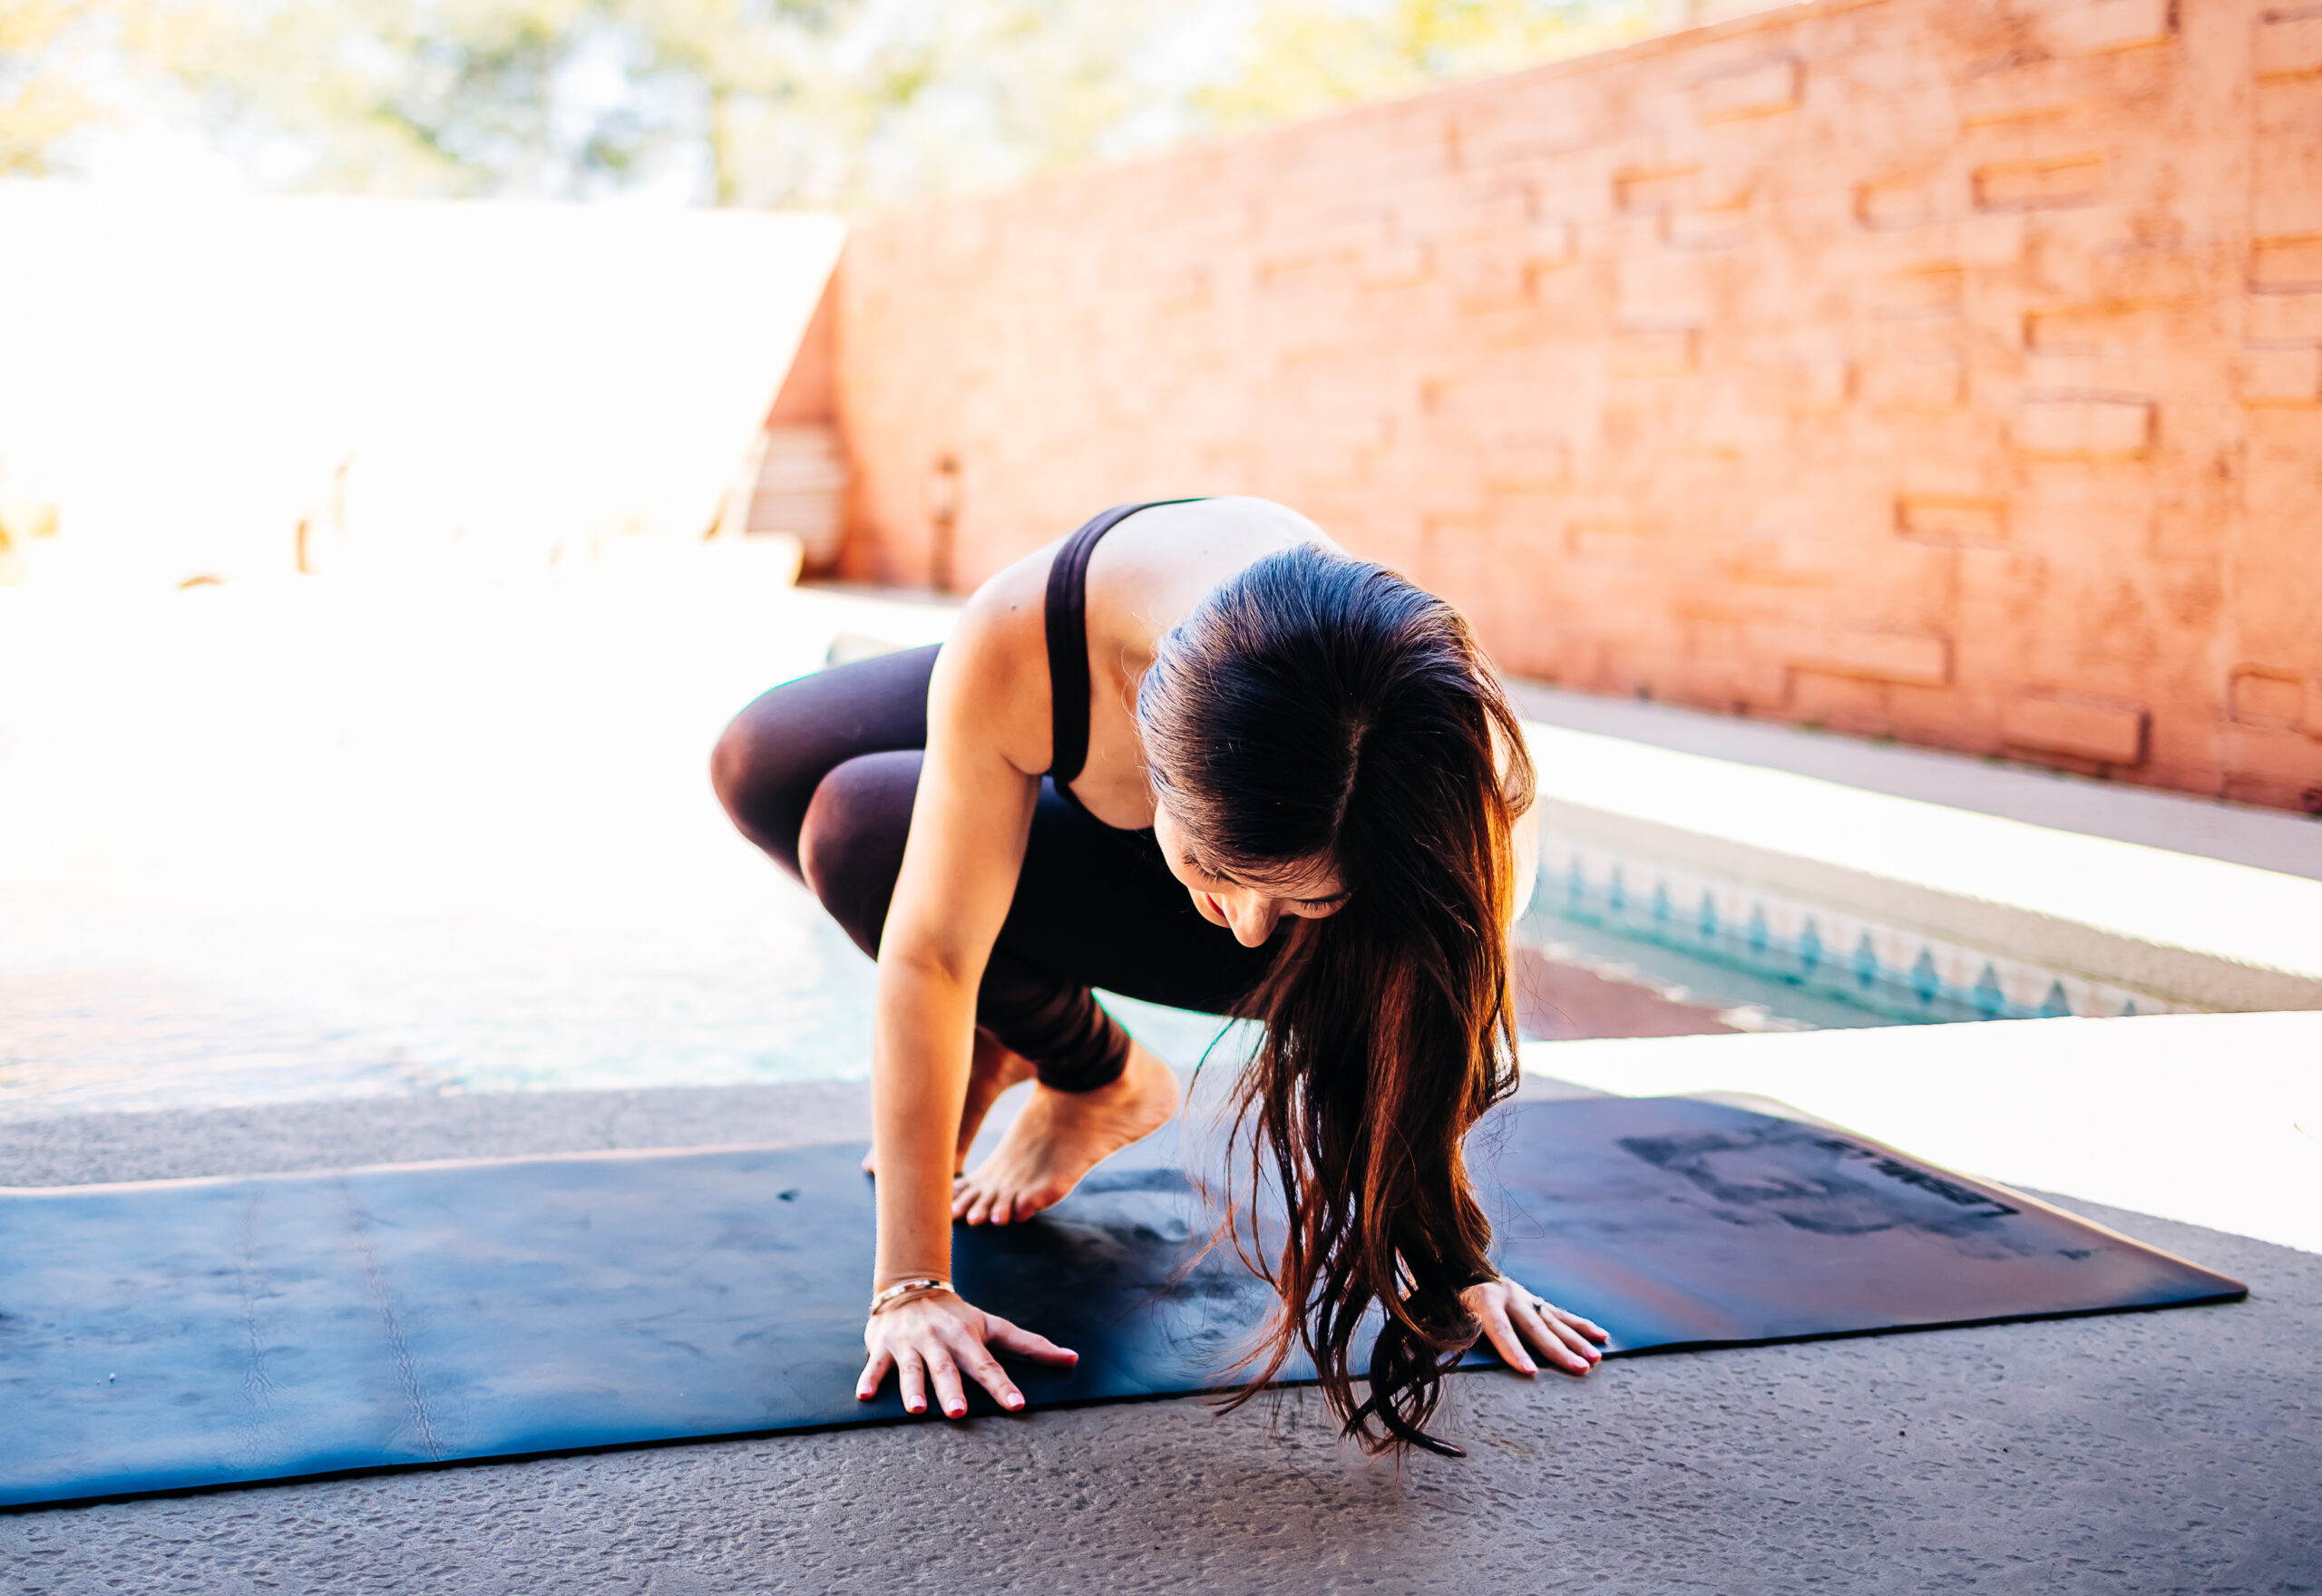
(1914, 990)
(1990, 1001)
(1866, 963)
(1924, 981)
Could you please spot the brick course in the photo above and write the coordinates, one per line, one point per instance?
(1949, 369)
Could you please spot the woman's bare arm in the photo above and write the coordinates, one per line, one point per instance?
(969, 827)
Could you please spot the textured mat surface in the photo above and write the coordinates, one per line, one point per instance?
(171, 1334)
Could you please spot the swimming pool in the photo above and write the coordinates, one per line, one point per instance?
(297, 841)
(1811, 962)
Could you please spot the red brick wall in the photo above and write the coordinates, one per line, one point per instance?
(1949, 369)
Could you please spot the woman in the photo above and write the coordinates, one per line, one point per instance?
(1196, 755)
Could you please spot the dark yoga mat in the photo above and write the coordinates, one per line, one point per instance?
(171, 1334)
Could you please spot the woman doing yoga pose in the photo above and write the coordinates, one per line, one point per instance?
(1194, 753)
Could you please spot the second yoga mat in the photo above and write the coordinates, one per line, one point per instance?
(171, 1335)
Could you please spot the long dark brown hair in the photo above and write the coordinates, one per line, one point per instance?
(1313, 709)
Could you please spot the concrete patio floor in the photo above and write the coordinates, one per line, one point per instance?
(2148, 1452)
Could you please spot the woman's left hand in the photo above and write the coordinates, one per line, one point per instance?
(1511, 1317)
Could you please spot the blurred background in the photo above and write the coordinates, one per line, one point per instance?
(1879, 440)
(758, 103)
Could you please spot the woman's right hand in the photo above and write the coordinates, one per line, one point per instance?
(937, 1339)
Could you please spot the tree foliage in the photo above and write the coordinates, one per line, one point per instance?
(43, 50)
(1306, 58)
(765, 103)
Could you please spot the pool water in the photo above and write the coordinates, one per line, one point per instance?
(1743, 999)
(296, 842)
(1811, 960)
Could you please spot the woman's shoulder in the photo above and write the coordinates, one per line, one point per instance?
(1153, 568)
(1176, 548)
(1231, 527)
(1146, 574)
(994, 664)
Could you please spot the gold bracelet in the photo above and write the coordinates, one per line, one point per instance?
(903, 1288)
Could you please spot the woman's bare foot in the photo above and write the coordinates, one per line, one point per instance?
(1060, 1137)
(992, 1070)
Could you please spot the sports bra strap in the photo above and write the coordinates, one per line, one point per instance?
(1066, 614)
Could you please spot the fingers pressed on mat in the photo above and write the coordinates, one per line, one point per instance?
(985, 1369)
(1589, 1328)
(1009, 1336)
(1504, 1339)
(1578, 1333)
(948, 1391)
(1562, 1343)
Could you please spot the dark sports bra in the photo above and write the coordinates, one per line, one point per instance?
(1066, 614)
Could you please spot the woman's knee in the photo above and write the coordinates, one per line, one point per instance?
(771, 760)
(758, 787)
(851, 845)
(730, 767)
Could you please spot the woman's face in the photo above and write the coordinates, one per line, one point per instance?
(1250, 909)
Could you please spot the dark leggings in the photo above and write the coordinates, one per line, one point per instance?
(821, 773)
